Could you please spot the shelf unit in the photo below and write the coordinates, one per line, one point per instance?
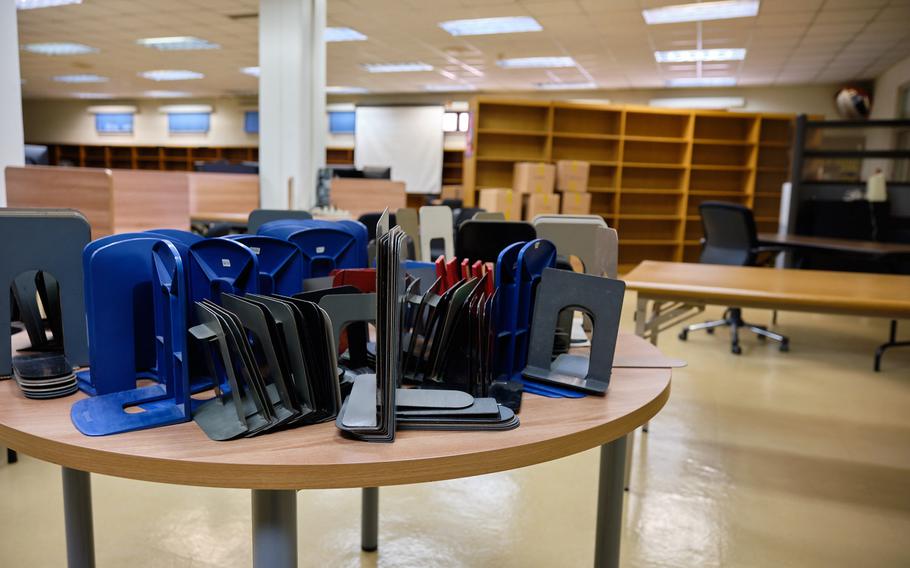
(166, 158)
(650, 168)
(452, 167)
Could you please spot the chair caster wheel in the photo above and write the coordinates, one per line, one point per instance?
(710, 330)
(784, 347)
(684, 335)
(736, 350)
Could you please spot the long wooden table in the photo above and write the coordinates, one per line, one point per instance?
(317, 457)
(849, 246)
(671, 292)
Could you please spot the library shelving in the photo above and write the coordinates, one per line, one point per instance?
(452, 165)
(650, 167)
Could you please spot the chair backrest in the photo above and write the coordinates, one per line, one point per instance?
(730, 234)
(259, 217)
(370, 220)
(465, 214)
(436, 234)
(586, 237)
(484, 240)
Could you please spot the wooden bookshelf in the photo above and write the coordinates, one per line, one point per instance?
(167, 158)
(650, 167)
(452, 167)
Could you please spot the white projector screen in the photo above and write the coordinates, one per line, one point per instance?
(407, 139)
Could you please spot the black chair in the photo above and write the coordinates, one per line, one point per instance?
(465, 214)
(484, 240)
(370, 219)
(731, 239)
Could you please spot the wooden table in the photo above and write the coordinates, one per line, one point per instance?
(851, 246)
(216, 217)
(318, 457)
(677, 291)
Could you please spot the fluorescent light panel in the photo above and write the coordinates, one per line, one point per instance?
(565, 86)
(171, 75)
(452, 88)
(699, 102)
(536, 62)
(397, 67)
(702, 82)
(59, 48)
(167, 94)
(702, 11)
(254, 71)
(92, 95)
(112, 109)
(340, 90)
(35, 4)
(185, 109)
(490, 26)
(80, 78)
(177, 43)
(343, 34)
(690, 55)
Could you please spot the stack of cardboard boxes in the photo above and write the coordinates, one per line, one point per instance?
(533, 185)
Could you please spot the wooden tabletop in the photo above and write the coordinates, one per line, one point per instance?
(837, 245)
(319, 457)
(884, 295)
(223, 217)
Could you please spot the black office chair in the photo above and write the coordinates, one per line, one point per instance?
(731, 239)
(484, 240)
(369, 220)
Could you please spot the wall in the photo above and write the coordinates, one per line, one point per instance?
(64, 121)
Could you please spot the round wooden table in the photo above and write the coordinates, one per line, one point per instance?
(274, 466)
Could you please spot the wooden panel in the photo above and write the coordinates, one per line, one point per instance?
(87, 189)
(211, 193)
(359, 196)
(318, 456)
(146, 200)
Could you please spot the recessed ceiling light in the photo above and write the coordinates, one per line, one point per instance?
(566, 86)
(702, 82)
(536, 62)
(254, 71)
(170, 75)
(397, 67)
(34, 4)
(699, 102)
(166, 94)
(490, 26)
(177, 43)
(59, 48)
(92, 95)
(689, 55)
(80, 78)
(723, 10)
(451, 88)
(343, 34)
(340, 90)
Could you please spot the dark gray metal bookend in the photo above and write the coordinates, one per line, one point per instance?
(601, 298)
(345, 309)
(49, 240)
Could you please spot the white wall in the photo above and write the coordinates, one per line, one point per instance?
(63, 121)
(11, 147)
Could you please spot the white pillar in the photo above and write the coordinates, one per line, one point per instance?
(292, 119)
(12, 147)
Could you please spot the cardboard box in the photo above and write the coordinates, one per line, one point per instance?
(451, 192)
(533, 177)
(541, 204)
(503, 200)
(572, 175)
(575, 203)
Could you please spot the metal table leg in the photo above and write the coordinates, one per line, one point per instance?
(274, 528)
(77, 515)
(609, 504)
(369, 519)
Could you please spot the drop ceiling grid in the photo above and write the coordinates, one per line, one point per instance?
(791, 41)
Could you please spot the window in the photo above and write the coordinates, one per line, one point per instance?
(342, 122)
(117, 123)
(188, 123)
(251, 122)
(455, 121)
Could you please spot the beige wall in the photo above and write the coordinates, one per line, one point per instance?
(68, 122)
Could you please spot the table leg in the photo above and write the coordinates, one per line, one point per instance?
(609, 504)
(369, 519)
(274, 528)
(77, 515)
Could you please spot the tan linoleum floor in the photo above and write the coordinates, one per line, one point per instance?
(766, 459)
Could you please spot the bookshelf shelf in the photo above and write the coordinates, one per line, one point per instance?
(650, 168)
